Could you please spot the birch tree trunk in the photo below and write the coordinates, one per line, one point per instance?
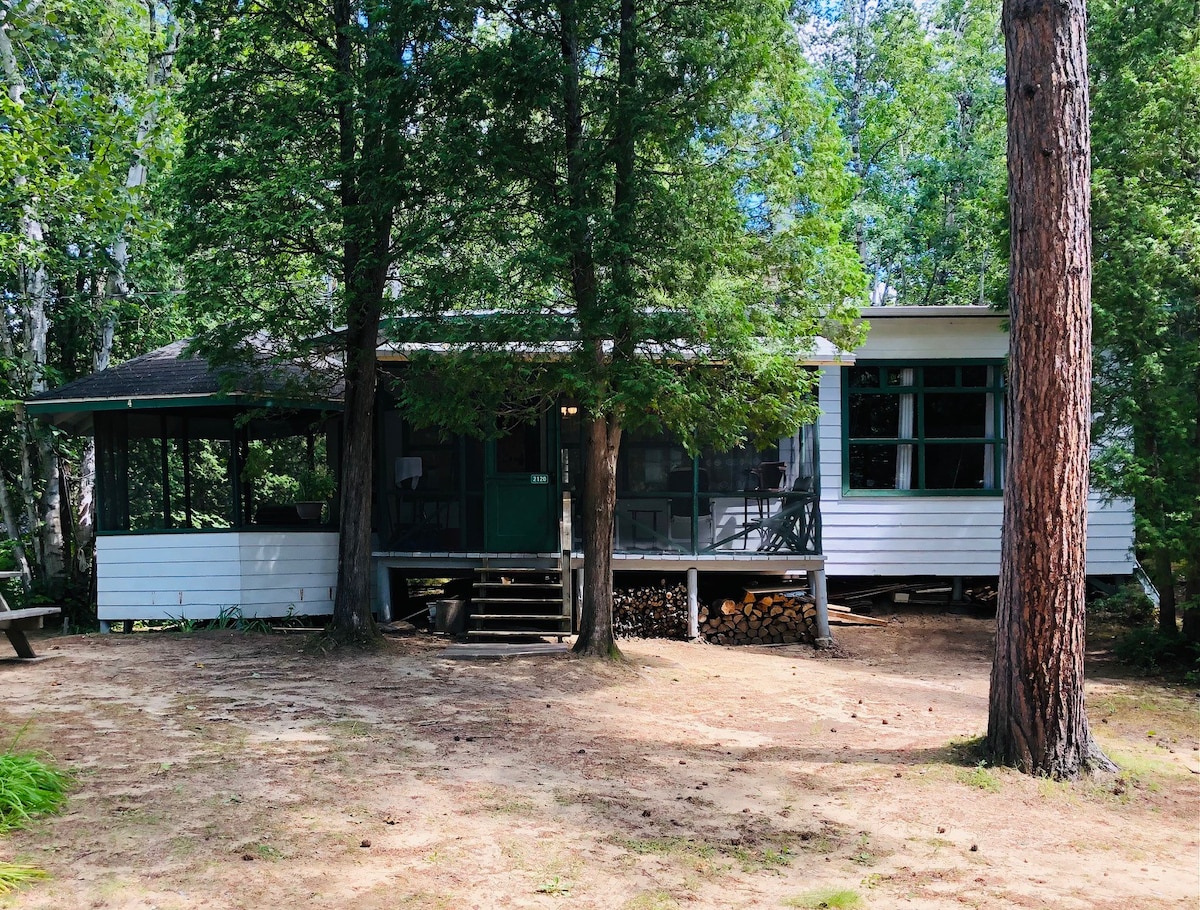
(159, 65)
(38, 459)
(1037, 720)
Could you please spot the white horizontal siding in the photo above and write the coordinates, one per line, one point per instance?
(198, 576)
(933, 535)
(927, 338)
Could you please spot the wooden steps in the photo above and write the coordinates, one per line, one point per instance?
(520, 602)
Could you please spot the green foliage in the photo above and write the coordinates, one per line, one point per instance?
(826, 899)
(641, 224)
(1154, 652)
(28, 788)
(1145, 72)
(1128, 605)
(80, 248)
(14, 875)
(981, 777)
(920, 97)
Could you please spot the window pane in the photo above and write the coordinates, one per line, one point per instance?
(646, 461)
(954, 466)
(864, 378)
(737, 470)
(900, 376)
(520, 450)
(940, 377)
(949, 415)
(874, 416)
(975, 377)
(874, 467)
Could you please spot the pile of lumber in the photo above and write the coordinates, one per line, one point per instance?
(650, 611)
(763, 616)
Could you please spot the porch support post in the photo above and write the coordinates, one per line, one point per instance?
(578, 596)
(105, 627)
(693, 597)
(820, 593)
(383, 591)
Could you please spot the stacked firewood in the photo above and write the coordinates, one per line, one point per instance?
(650, 611)
(760, 618)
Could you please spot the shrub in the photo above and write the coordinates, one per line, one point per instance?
(1151, 651)
(1127, 605)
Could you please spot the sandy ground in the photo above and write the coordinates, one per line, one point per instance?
(231, 770)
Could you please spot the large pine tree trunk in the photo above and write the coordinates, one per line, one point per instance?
(599, 514)
(1037, 720)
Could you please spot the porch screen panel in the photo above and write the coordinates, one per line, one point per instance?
(210, 473)
(146, 463)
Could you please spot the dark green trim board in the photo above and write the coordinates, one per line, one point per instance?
(88, 405)
(878, 380)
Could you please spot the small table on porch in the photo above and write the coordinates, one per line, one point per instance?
(15, 623)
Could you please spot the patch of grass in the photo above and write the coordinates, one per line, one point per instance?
(651, 900)
(862, 852)
(981, 777)
(13, 876)
(505, 803)
(28, 788)
(822, 898)
(267, 852)
(755, 860)
(967, 750)
(553, 886)
(353, 729)
(666, 846)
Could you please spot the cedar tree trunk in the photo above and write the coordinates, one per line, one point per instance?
(599, 513)
(352, 619)
(1036, 720)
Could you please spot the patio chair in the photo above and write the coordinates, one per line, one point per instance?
(679, 507)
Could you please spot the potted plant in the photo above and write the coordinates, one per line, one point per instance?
(315, 487)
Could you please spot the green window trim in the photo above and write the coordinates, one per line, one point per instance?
(882, 380)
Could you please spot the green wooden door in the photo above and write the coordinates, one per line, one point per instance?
(521, 491)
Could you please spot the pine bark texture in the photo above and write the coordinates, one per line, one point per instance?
(1037, 720)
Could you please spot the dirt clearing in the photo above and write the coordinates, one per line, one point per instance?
(230, 770)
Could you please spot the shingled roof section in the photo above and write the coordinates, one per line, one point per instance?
(169, 376)
(162, 373)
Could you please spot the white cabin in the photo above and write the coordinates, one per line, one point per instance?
(902, 476)
(920, 529)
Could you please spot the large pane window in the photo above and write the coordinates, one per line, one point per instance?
(930, 427)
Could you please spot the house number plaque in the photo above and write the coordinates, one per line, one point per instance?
(539, 478)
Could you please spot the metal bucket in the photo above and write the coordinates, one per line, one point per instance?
(450, 616)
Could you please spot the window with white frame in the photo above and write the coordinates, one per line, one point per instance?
(931, 427)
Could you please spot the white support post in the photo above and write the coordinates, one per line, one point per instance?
(383, 592)
(816, 583)
(693, 597)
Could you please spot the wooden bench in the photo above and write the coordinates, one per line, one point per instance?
(15, 623)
